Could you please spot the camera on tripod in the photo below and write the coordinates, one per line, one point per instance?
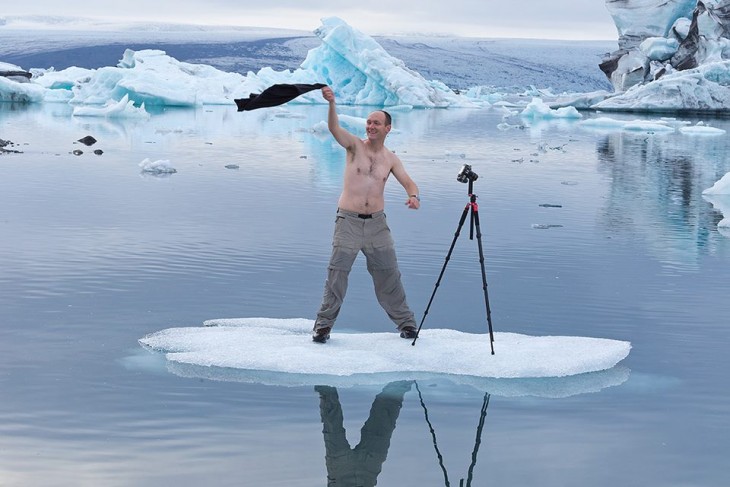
(466, 174)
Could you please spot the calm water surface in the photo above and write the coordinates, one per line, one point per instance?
(95, 255)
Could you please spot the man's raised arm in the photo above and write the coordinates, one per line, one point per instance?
(342, 136)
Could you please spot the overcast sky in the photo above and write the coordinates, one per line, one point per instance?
(541, 19)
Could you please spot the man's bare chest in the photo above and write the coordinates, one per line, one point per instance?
(375, 167)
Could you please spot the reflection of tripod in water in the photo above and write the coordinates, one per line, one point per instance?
(477, 441)
(472, 208)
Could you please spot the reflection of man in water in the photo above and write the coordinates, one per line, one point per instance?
(359, 466)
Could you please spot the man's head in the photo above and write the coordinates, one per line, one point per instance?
(378, 124)
(388, 118)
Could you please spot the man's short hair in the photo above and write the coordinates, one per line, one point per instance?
(388, 118)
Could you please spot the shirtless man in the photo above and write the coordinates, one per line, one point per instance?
(361, 226)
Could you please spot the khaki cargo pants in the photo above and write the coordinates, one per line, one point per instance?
(371, 235)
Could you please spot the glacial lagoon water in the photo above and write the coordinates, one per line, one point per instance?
(587, 232)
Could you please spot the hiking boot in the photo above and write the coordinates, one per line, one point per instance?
(321, 335)
(408, 332)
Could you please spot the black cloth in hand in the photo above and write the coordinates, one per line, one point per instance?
(275, 95)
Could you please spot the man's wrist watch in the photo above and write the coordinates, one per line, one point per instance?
(416, 196)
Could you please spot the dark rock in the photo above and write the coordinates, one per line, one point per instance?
(88, 140)
(98, 152)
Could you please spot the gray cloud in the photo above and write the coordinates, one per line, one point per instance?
(569, 19)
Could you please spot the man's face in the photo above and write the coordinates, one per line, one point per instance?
(375, 126)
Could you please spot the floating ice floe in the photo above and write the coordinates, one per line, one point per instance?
(663, 125)
(538, 109)
(284, 346)
(701, 129)
(159, 167)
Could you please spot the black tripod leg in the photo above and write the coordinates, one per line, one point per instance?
(475, 214)
(443, 269)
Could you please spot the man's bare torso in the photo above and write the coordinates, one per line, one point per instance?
(366, 173)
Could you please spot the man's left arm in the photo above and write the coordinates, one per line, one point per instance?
(408, 184)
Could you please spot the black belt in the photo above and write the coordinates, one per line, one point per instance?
(362, 216)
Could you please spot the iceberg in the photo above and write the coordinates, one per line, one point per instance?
(14, 73)
(14, 92)
(674, 55)
(363, 73)
(705, 88)
(359, 70)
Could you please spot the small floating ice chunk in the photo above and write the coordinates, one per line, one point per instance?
(648, 126)
(701, 129)
(544, 226)
(537, 109)
(161, 166)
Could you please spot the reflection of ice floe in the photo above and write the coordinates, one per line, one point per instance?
(721, 203)
(442, 385)
(548, 387)
(123, 108)
(283, 346)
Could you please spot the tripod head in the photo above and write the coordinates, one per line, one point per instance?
(466, 175)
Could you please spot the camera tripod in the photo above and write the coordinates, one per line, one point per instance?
(472, 209)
